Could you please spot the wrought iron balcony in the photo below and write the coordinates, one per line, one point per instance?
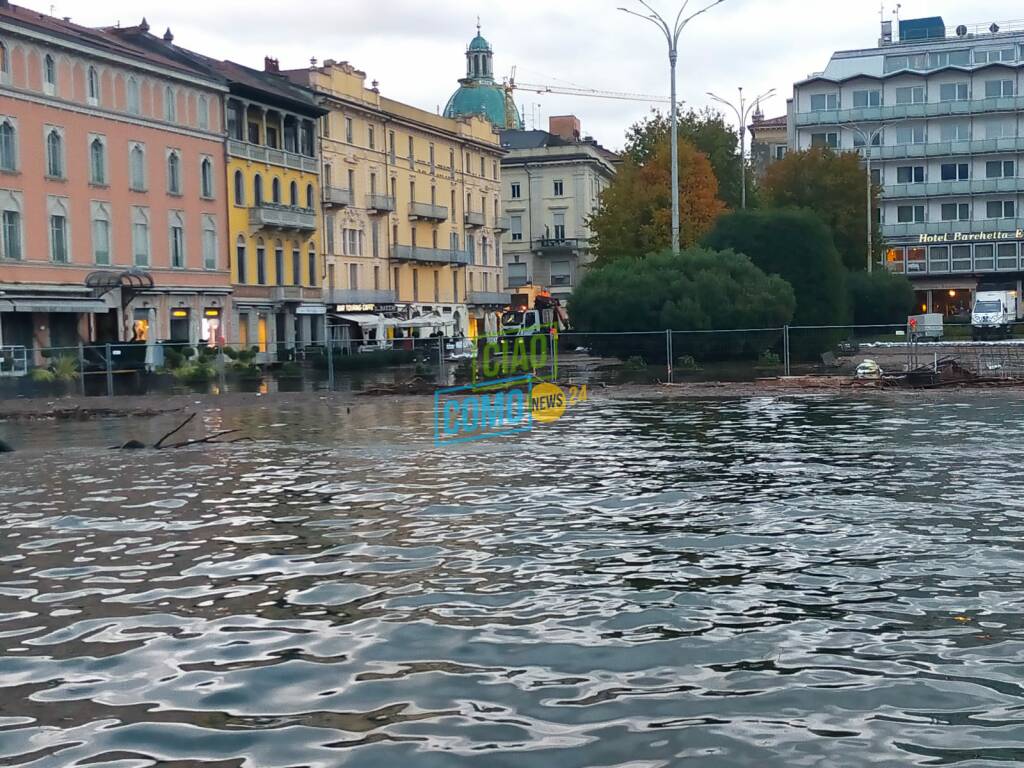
(295, 293)
(261, 154)
(380, 203)
(475, 219)
(489, 298)
(429, 255)
(338, 196)
(428, 212)
(551, 245)
(282, 217)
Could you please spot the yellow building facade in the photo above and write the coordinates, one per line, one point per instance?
(274, 215)
(412, 209)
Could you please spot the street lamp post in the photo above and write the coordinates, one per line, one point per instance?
(742, 113)
(672, 37)
(868, 139)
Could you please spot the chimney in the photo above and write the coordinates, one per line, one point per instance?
(270, 65)
(565, 126)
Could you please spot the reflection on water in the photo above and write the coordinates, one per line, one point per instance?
(769, 582)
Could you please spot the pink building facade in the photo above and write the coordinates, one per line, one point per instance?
(113, 200)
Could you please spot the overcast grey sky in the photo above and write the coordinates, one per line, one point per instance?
(415, 48)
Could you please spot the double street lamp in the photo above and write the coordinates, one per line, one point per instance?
(742, 111)
(869, 138)
(672, 37)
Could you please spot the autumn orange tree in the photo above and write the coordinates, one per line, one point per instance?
(634, 217)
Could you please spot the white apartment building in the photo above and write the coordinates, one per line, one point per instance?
(942, 111)
(551, 181)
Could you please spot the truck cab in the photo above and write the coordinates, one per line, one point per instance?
(993, 314)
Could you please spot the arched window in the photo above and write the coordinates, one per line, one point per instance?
(132, 97)
(97, 161)
(176, 236)
(174, 173)
(257, 190)
(275, 190)
(206, 177)
(170, 105)
(239, 188)
(8, 146)
(309, 195)
(296, 263)
(240, 259)
(59, 245)
(204, 112)
(294, 194)
(279, 262)
(5, 65)
(93, 80)
(49, 74)
(137, 168)
(312, 265)
(261, 262)
(54, 155)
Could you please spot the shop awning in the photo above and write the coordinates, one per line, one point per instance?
(60, 305)
(361, 318)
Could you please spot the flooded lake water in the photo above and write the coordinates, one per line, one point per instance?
(762, 582)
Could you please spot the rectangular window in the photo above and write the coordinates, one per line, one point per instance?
(953, 92)
(296, 267)
(559, 221)
(437, 285)
(1000, 209)
(371, 139)
(177, 246)
(954, 171)
(559, 188)
(999, 169)
(517, 190)
(780, 151)
(11, 235)
(312, 268)
(433, 166)
(517, 275)
(415, 284)
(995, 89)
(825, 140)
(59, 238)
(101, 241)
(910, 134)
(392, 148)
(960, 131)
(821, 102)
(858, 139)
(955, 211)
(994, 54)
(908, 214)
(279, 265)
(261, 265)
(376, 278)
(412, 153)
(516, 223)
(375, 237)
(353, 276)
(209, 244)
(140, 243)
(999, 129)
(1006, 253)
(984, 257)
(867, 98)
(348, 130)
(329, 224)
(911, 94)
(910, 174)
(560, 274)
(240, 260)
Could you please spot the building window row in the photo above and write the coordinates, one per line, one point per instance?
(259, 198)
(954, 211)
(270, 128)
(281, 272)
(957, 91)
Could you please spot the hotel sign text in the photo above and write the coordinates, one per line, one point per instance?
(969, 237)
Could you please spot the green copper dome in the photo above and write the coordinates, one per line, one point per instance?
(478, 94)
(478, 43)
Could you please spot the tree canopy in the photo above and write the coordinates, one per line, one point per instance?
(699, 289)
(797, 246)
(880, 298)
(634, 216)
(833, 186)
(706, 130)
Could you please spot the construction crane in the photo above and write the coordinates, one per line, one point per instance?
(511, 85)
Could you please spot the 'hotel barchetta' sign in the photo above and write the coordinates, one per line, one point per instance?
(970, 237)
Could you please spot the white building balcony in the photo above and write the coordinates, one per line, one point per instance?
(954, 188)
(503, 224)
(282, 217)
(910, 111)
(380, 203)
(279, 157)
(296, 293)
(475, 219)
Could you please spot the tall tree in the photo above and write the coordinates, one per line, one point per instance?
(634, 216)
(833, 185)
(708, 131)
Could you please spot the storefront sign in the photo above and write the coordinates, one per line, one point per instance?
(970, 237)
(311, 309)
(375, 308)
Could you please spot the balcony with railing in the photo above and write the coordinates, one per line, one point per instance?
(475, 219)
(946, 148)
(416, 253)
(555, 245)
(489, 298)
(338, 197)
(952, 228)
(958, 188)
(279, 157)
(296, 293)
(359, 296)
(380, 203)
(503, 224)
(282, 217)
(428, 211)
(910, 111)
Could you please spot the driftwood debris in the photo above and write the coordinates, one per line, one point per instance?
(161, 444)
(417, 385)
